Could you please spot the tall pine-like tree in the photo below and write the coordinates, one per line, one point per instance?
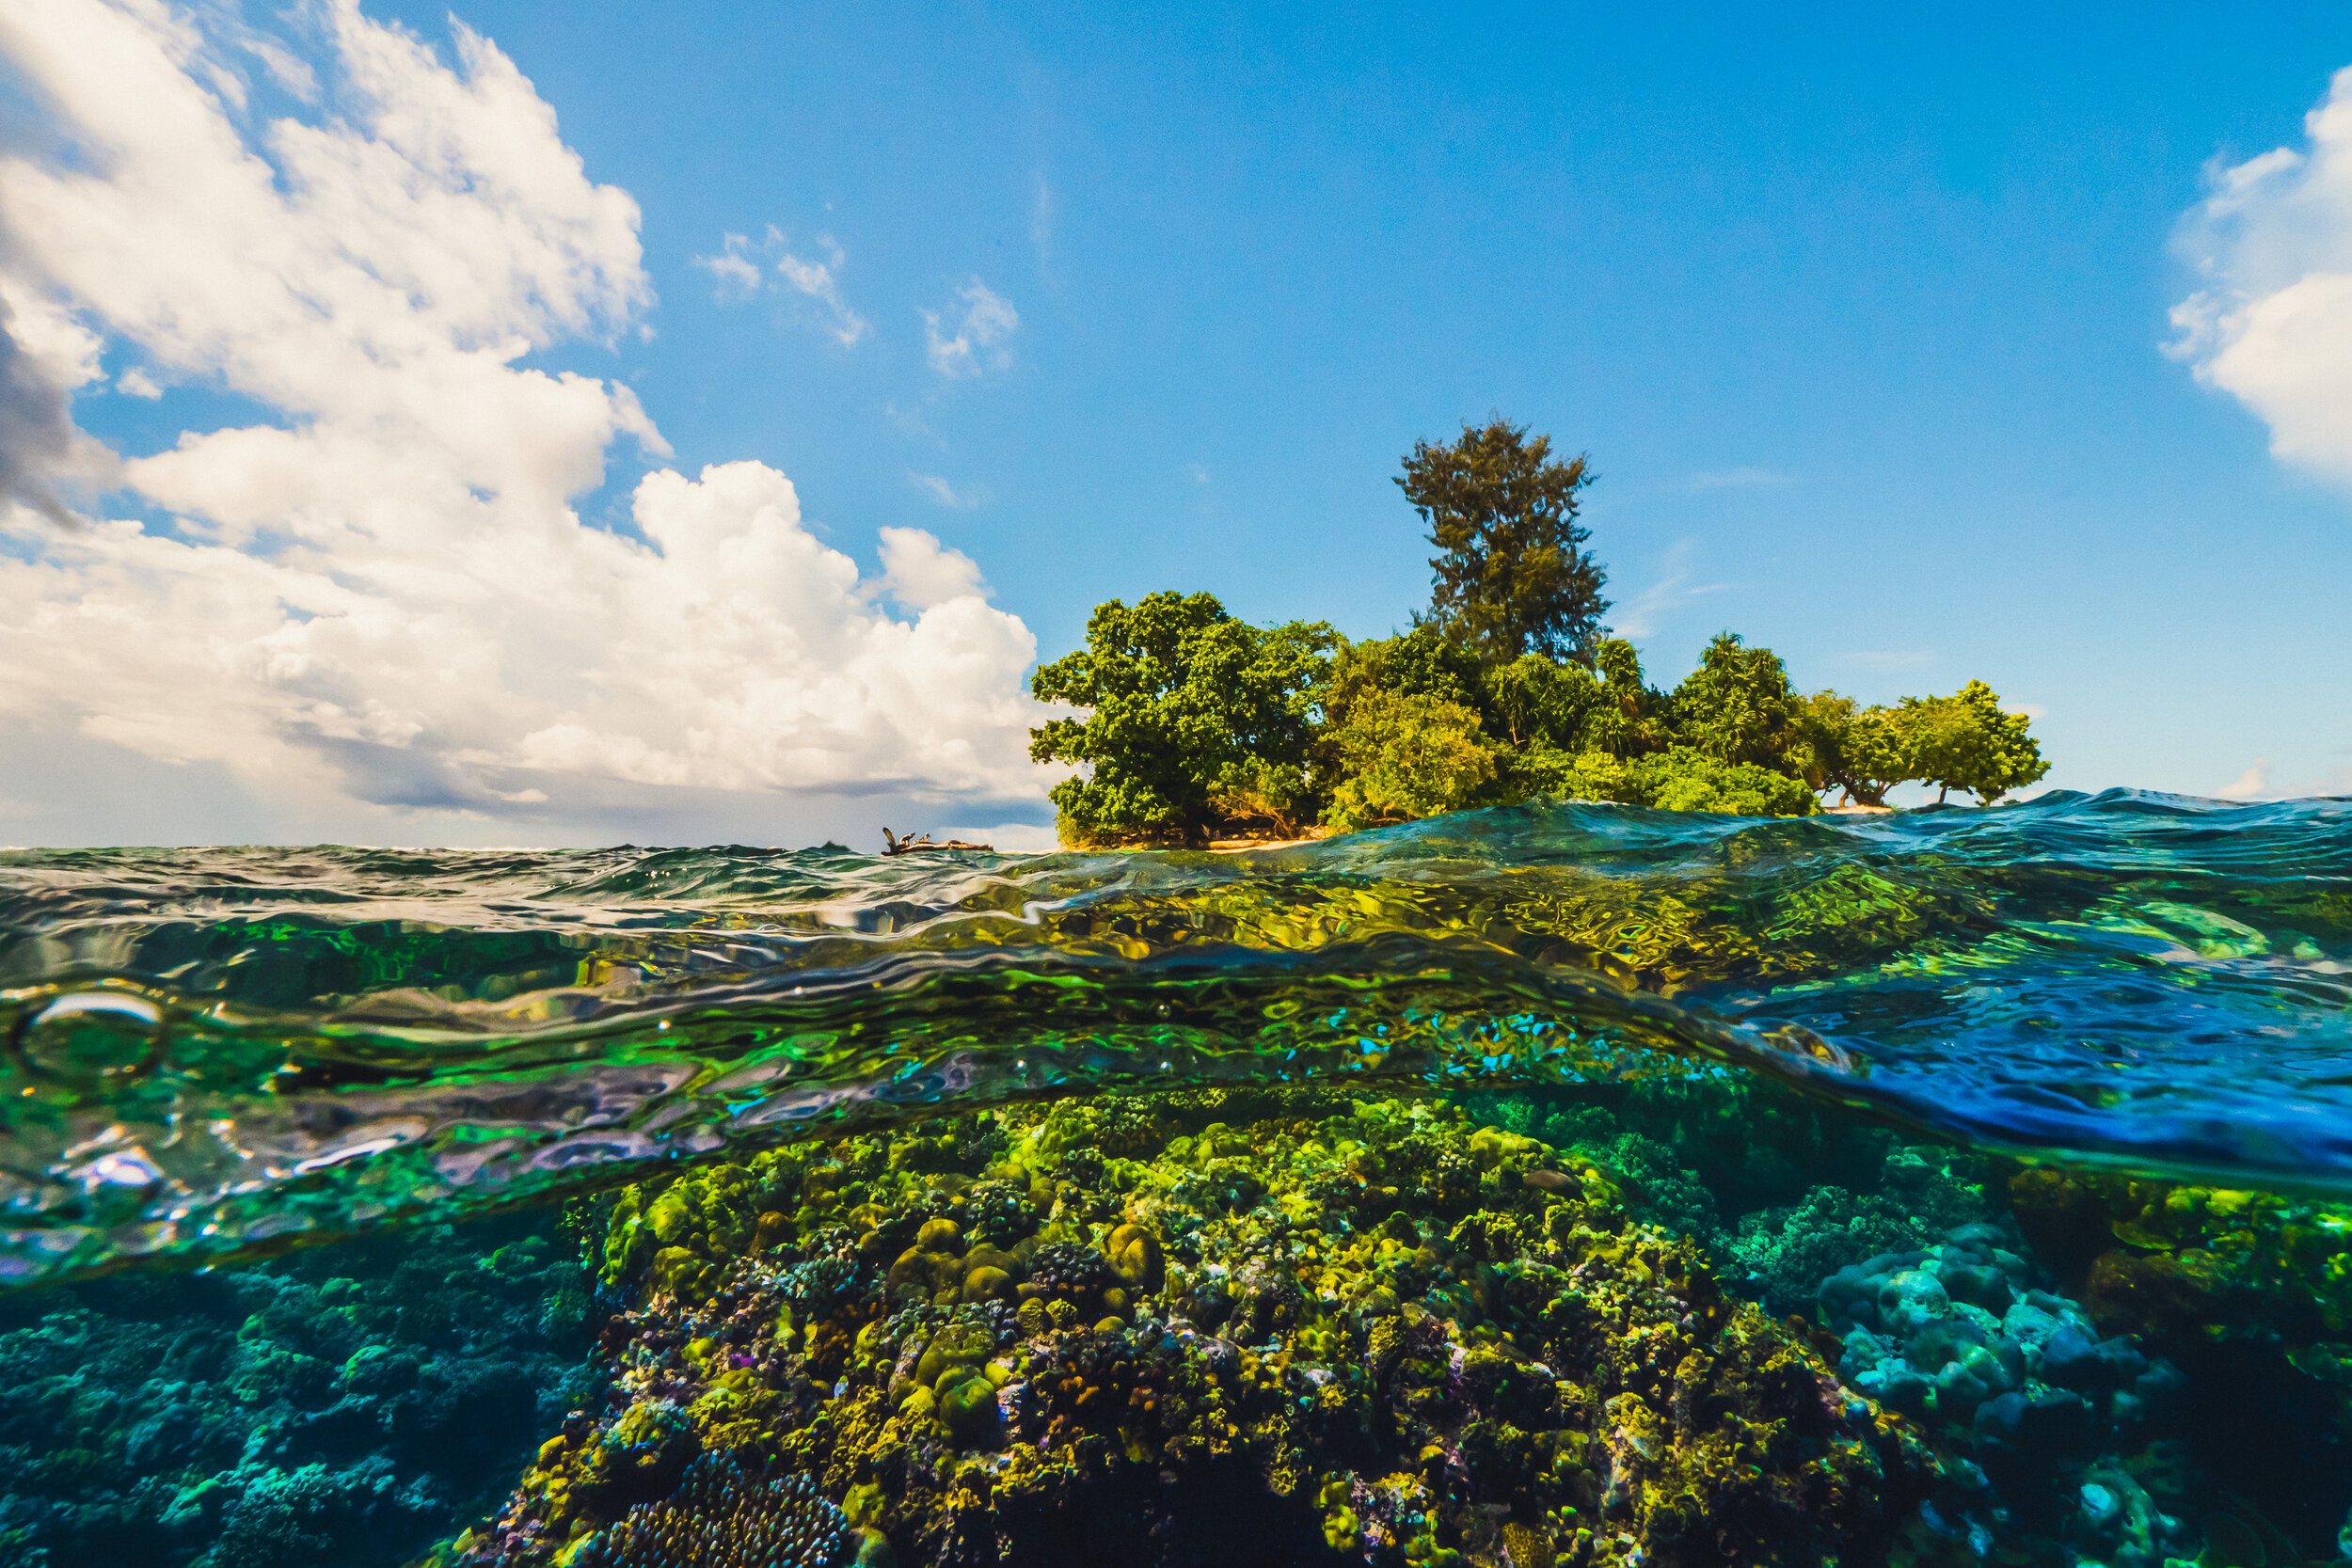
(1512, 573)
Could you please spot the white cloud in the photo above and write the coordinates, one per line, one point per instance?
(920, 572)
(944, 493)
(739, 268)
(2252, 784)
(815, 281)
(1739, 479)
(1641, 615)
(137, 383)
(739, 275)
(2027, 710)
(384, 596)
(989, 319)
(2273, 325)
(1006, 838)
(2256, 783)
(41, 361)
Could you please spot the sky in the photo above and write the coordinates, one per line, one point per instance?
(528, 424)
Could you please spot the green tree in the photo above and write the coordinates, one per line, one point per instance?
(1680, 778)
(1421, 662)
(1861, 753)
(1539, 702)
(1684, 778)
(1194, 717)
(1736, 706)
(1966, 741)
(1407, 754)
(1633, 717)
(1512, 575)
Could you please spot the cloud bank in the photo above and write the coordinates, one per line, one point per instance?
(379, 591)
(2273, 325)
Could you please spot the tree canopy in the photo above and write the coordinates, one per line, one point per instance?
(1192, 722)
(1196, 719)
(1966, 741)
(1512, 575)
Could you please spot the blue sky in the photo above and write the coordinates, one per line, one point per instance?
(1862, 316)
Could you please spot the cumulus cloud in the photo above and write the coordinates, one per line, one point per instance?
(988, 319)
(2252, 784)
(2257, 783)
(920, 572)
(38, 443)
(2273, 325)
(384, 593)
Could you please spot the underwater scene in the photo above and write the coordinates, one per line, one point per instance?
(1548, 1185)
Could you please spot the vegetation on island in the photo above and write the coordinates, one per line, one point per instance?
(1193, 724)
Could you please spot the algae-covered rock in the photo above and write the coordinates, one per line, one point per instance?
(1361, 1330)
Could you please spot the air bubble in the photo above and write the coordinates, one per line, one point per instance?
(91, 1037)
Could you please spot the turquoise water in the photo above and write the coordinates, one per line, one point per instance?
(213, 1052)
(2091, 1052)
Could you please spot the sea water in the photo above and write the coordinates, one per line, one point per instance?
(1561, 1183)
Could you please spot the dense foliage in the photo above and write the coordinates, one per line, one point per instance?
(1511, 576)
(1193, 722)
(1197, 719)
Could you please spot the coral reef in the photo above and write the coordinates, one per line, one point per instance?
(1371, 1331)
(724, 1515)
(1780, 1190)
(1957, 1337)
(349, 1404)
(2250, 1295)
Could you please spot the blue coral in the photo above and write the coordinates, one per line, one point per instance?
(1957, 1333)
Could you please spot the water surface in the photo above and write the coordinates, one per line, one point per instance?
(211, 1053)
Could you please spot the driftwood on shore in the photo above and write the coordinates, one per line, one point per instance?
(893, 845)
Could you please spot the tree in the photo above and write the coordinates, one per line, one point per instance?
(1408, 754)
(1539, 702)
(1737, 706)
(1680, 778)
(1634, 719)
(1194, 716)
(1684, 778)
(1966, 741)
(1512, 575)
(1859, 751)
(1421, 662)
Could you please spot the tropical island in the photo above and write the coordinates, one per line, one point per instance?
(1195, 725)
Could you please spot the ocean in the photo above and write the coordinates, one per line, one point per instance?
(1559, 1184)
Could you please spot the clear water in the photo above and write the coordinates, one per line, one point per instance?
(214, 1051)
(216, 1055)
